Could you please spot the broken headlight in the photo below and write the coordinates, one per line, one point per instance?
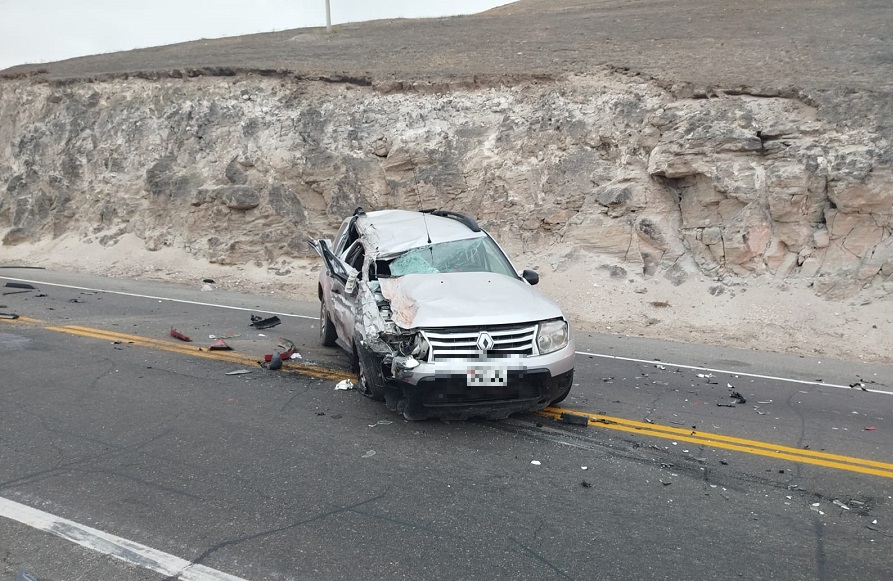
(552, 336)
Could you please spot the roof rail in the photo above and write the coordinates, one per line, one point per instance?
(459, 217)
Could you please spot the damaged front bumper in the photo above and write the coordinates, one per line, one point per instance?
(486, 387)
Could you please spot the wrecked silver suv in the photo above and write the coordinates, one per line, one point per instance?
(437, 320)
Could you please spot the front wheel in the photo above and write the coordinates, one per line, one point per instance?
(371, 381)
(327, 334)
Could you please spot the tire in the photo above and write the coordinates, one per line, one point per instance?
(566, 392)
(370, 381)
(561, 397)
(327, 333)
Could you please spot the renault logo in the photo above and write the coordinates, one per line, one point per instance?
(485, 341)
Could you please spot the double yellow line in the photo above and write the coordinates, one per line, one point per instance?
(195, 351)
(836, 461)
(755, 447)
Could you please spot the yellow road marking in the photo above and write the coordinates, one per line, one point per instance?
(195, 351)
(22, 320)
(756, 447)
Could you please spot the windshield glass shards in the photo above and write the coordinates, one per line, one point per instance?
(472, 255)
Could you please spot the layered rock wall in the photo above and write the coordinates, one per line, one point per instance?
(609, 168)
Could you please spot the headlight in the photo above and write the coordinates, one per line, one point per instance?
(552, 336)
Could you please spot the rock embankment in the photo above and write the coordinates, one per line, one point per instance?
(607, 168)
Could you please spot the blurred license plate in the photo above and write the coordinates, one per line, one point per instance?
(485, 376)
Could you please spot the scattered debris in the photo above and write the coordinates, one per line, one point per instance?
(208, 281)
(858, 384)
(574, 419)
(368, 454)
(584, 467)
(229, 335)
(261, 323)
(24, 285)
(207, 288)
(585, 484)
(344, 385)
(178, 335)
(381, 423)
(535, 462)
(238, 372)
(11, 316)
(870, 428)
(18, 292)
(738, 397)
(840, 504)
(667, 483)
(276, 362)
(219, 345)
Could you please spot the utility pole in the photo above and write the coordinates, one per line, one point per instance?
(328, 17)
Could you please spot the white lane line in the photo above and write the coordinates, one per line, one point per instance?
(107, 544)
(139, 296)
(679, 365)
(726, 371)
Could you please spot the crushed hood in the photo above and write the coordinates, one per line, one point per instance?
(464, 299)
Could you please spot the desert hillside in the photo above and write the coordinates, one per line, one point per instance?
(697, 171)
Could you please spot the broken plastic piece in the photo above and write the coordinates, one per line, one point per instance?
(178, 335)
(870, 428)
(238, 372)
(276, 362)
(11, 316)
(24, 285)
(535, 462)
(369, 454)
(261, 323)
(344, 385)
(575, 419)
(219, 345)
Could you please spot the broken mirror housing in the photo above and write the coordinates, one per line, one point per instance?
(437, 320)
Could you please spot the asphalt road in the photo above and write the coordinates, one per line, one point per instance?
(109, 426)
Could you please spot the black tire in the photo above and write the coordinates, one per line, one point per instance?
(561, 397)
(327, 333)
(370, 381)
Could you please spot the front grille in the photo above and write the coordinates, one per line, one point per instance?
(508, 341)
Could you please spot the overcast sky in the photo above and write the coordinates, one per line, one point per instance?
(35, 31)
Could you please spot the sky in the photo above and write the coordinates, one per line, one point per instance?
(38, 31)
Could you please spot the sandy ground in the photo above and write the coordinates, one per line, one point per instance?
(759, 314)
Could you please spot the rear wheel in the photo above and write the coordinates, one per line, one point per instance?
(327, 334)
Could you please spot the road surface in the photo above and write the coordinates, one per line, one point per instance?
(128, 454)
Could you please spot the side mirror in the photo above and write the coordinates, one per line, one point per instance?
(531, 276)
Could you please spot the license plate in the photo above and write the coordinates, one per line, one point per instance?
(488, 376)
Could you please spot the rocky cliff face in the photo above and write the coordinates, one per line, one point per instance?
(608, 168)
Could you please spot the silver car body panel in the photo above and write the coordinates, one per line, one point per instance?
(462, 299)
